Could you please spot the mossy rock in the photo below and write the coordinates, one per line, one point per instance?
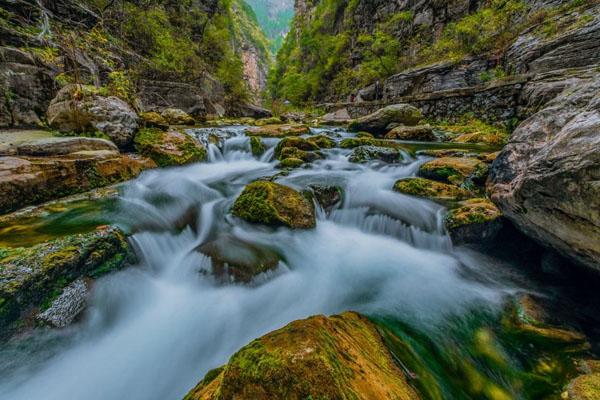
(278, 131)
(273, 204)
(32, 277)
(169, 148)
(175, 116)
(456, 170)
(430, 189)
(365, 154)
(295, 142)
(257, 146)
(584, 387)
(474, 221)
(236, 260)
(322, 141)
(485, 138)
(291, 163)
(153, 119)
(268, 121)
(340, 357)
(377, 122)
(422, 133)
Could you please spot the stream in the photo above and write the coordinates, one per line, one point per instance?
(153, 330)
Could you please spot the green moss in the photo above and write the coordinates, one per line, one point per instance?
(291, 162)
(168, 148)
(257, 146)
(473, 211)
(431, 189)
(297, 143)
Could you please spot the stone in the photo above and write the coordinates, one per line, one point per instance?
(328, 197)
(338, 117)
(257, 147)
(169, 148)
(235, 260)
(56, 146)
(584, 387)
(78, 108)
(480, 137)
(278, 131)
(175, 116)
(268, 121)
(152, 119)
(456, 170)
(66, 307)
(291, 163)
(250, 110)
(338, 357)
(363, 154)
(34, 277)
(297, 143)
(32, 180)
(377, 122)
(430, 189)
(272, 204)
(474, 221)
(546, 178)
(421, 133)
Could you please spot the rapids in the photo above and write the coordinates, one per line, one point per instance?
(153, 330)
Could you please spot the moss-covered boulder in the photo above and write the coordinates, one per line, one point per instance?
(268, 121)
(278, 131)
(422, 133)
(378, 122)
(169, 148)
(273, 204)
(31, 278)
(291, 163)
(257, 147)
(340, 357)
(456, 170)
(175, 116)
(430, 189)
(235, 260)
(152, 119)
(584, 387)
(481, 137)
(324, 142)
(365, 154)
(474, 221)
(296, 143)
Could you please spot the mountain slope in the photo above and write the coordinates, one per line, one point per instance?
(274, 16)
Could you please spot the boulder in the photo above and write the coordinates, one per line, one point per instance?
(273, 204)
(30, 145)
(430, 189)
(475, 221)
(257, 147)
(250, 110)
(278, 131)
(328, 197)
(235, 260)
(340, 357)
(291, 163)
(175, 116)
(32, 180)
(456, 170)
(365, 154)
(268, 121)
(546, 179)
(296, 143)
(35, 277)
(422, 133)
(169, 148)
(378, 122)
(339, 117)
(152, 119)
(78, 108)
(584, 387)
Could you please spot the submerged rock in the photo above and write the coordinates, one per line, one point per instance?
(378, 122)
(422, 133)
(456, 170)
(278, 131)
(340, 357)
(78, 108)
(169, 148)
(34, 277)
(273, 204)
(430, 189)
(328, 197)
(475, 221)
(365, 154)
(236, 260)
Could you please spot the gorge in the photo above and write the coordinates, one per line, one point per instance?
(398, 200)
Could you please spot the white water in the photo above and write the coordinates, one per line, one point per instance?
(152, 331)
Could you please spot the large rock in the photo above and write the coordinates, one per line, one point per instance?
(363, 154)
(430, 189)
(338, 117)
(176, 116)
(78, 108)
(423, 133)
(340, 357)
(31, 180)
(456, 170)
(278, 131)
(51, 146)
(169, 148)
(34, 277)
(474, 221)
(378, 122)
(546, 178)
(273, 204)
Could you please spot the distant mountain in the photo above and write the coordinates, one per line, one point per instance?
(274, 16)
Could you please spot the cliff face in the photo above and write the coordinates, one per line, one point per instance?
(156, 55)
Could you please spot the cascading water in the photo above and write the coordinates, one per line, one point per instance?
(152, 331)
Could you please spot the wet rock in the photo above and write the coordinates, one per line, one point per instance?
(32, 180)
(291, 163)
(456, 170)
(339, 117)
(273, 204)
(475, 221)
(546, 179)
(430, 189)
(152, 119)
(323, 141)
(365, 154)
(278, 131)
(50, 146)
(328, 197)
(236, 260)
(257, 146)
(175, 116)
(66, 307)
(34, 277)
(169, 148)
(377, 122)
(296, 143)
(422, 133)
(339, 357)
(293, 152)
(78, 108)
